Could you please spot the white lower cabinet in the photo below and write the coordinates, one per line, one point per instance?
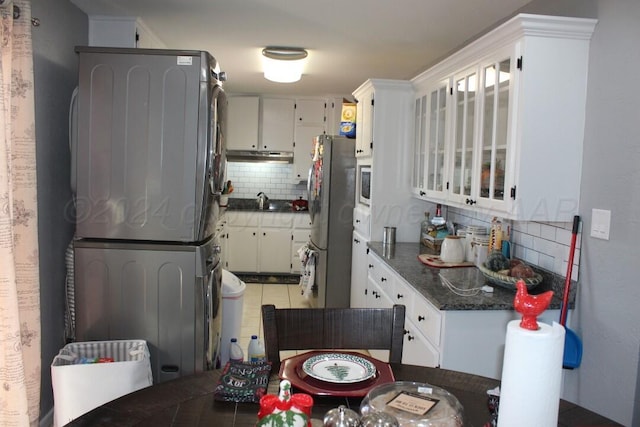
(416, 349)
(274, 250)
(264, 242)
(359, 288)
(376, 298)
(469, 341)
(242, 254)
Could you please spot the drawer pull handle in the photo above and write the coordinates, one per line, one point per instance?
(420, 318)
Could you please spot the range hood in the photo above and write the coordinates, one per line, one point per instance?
(259, 156)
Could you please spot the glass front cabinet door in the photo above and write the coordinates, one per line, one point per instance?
(464, 91)
(496, 79)
(430, 138)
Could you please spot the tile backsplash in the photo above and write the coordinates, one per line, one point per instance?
(545, 244)
(273, 179)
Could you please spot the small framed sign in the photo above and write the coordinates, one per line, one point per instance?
(414, 403)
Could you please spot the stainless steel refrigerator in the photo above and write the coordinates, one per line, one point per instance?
(331, 188)
(147, 170)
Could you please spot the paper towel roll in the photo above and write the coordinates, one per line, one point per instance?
(531, 376)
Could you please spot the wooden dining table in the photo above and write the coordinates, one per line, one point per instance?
(189, 401)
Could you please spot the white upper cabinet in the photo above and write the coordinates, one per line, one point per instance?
(242, 122)
(364, 116)
(121, 31)
(277, 124)
(310, 121)
(513, 121)
(430, 130)
(391, 202)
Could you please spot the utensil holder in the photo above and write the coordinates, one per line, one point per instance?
(389, 236)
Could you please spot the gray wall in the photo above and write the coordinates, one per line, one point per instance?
(62, 26)
(608, 316)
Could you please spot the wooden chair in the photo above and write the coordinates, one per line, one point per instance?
(333, 329)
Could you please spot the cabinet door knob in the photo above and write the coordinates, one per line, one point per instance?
(420, 318)
(370, 265)
(400, 296)
(470, 202)
(410, 338)
(356, 240)
(357, 221)
(422, 193)
(383, 279)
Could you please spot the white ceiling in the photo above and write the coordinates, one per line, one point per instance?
(348, 41)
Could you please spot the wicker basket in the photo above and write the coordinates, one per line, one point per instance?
(508, 282)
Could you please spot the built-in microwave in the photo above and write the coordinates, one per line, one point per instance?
(364, 185)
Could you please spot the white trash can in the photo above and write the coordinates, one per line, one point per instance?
(232, 303)
(80, 387)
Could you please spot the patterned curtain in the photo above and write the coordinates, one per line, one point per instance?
(19, 282)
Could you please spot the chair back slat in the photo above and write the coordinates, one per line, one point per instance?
(333, 329)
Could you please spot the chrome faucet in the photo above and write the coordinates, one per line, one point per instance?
(262, 198)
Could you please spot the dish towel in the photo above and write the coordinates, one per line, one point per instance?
(308, 259)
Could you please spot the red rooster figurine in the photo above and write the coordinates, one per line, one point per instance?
(530, 306)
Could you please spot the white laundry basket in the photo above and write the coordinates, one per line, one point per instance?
(79, 388)
(232, 304)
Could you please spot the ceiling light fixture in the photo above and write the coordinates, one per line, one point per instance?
(283, 64)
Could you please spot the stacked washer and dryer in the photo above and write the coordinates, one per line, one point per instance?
(148, 162)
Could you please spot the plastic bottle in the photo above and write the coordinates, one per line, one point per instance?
(495, 235)
(438, 220)
(424, 229)
(256, 351)
(235, 351)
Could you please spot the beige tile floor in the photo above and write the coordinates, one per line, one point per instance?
(280, 295)
(256, 294)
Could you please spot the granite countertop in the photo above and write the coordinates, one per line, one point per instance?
(251, 205)
(403, 259)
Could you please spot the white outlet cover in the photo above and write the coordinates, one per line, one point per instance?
(600, 223)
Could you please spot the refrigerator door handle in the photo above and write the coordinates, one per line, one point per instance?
(309, 186)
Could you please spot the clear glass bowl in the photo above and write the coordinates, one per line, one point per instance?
(447, 412)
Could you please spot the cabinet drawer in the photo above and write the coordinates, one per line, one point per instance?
(403, 294)
(301, 220)
(242, 219)
(277, 219)
(427, 318)
(382, 275)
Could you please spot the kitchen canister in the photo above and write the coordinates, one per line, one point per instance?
(480, 248)
(452, 250)
(470, 232)
(389, 236)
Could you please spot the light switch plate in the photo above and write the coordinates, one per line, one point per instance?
(600, 223)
